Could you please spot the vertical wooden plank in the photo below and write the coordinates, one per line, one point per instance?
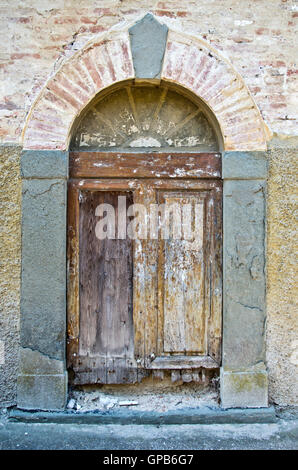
(73, 311)
(145, 285)
(194, 294)
(215, 276)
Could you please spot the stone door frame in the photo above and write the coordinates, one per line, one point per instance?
(192, 64)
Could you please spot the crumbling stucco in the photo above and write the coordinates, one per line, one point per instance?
(282, 318)
(10, 256)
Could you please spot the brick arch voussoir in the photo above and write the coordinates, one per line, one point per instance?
(65, 95)
(189, 62)
(193, 64)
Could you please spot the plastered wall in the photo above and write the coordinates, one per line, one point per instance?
(10, 267)
(282, 320)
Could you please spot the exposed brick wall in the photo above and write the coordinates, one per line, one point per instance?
(258, 37)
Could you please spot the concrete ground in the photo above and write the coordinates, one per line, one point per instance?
(281, 435)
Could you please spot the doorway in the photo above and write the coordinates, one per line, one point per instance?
(149, 300)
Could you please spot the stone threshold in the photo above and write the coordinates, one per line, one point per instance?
(126, 417)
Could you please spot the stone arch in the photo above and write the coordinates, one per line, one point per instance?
(188, 62)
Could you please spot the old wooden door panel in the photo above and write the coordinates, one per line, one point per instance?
(182, 265)
(105, 283)
(165, 304)
(190, 282)
(100, 324)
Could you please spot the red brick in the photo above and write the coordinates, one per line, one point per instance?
(292, 72)
(261, 31)
(66, 20)
(92, 71)
(97, 29)
(55, 87)
(169, 14)
(183, 14)
(20, 55)
(21, 19)
(73, 88)
(86, 20)
(104, 12)
(57, 101)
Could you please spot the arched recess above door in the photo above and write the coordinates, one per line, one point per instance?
(145, 117)
(107, 60)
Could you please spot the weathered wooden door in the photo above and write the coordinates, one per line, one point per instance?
(147, 299)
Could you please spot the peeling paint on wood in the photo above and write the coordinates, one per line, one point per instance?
(144, 165)
(176, 286)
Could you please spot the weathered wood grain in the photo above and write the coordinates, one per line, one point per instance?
(145, 294)
(73, 311)
(144, 165)
(183, 362)
(183, 280)
(105, 283)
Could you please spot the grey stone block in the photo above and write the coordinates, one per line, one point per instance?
(44, 164)
(243, 273)
(148, 42)
(43, 290)
(200, 415)
(244, 388)
(35, 363)
(42, 392)
(244, 165)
